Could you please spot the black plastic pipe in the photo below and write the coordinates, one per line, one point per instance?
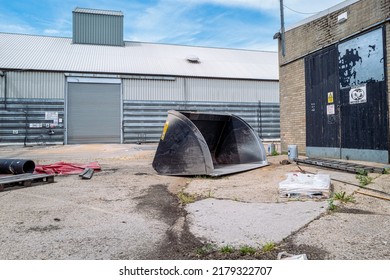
(16, 166)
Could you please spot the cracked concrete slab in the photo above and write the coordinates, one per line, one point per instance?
(227, 222)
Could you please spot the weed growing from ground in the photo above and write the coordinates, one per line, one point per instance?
(269, 246)
(341, 196)
(362, 172)
(186, 198)
(201, 177)
(227, 249)
(206, 249)
(331, 205)
(363, 177)
(247, 250)
(364, 180)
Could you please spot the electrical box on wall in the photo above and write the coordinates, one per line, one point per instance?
(342, 17)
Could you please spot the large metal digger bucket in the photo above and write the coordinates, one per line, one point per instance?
(194, 143)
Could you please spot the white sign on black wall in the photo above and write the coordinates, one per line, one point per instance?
(358, 95)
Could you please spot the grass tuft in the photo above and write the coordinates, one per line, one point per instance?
(227, 249)
(341, 196)
(269, 246)
(247, 250)
(205, 249)
(186, 198)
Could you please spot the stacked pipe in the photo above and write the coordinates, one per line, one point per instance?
(16, 166)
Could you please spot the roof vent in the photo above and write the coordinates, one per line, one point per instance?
(97, 27)
(193, 59)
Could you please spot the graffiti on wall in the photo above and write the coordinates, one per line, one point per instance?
(361, 60)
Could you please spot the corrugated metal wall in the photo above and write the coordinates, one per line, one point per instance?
(26, 121)
(44, 85)
(153, 89)
(232, 90)
(201, 89)
(147, 100)
(50, 85)
(143, 121)
(97, 29)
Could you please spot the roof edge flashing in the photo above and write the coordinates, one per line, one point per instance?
(97, 11)
(322, 14)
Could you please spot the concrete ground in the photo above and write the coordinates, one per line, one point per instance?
(128, 211)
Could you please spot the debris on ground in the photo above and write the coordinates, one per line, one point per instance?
(305, 185)
(66, 168)
(25, 180)
(285, 162)
(16, 166)
(87, 173)
(286, 256)
(374, 195)
(341, 165)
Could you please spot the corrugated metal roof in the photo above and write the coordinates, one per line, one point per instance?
(30, 52)
(97, 12)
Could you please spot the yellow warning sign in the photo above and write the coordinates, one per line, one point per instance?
(164, 130)
(330, 97)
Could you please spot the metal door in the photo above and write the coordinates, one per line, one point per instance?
(346, 100)
(93, 113)
(364, 104)
(322, 99)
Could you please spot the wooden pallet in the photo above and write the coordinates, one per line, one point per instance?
(341, 165)
(25, 180)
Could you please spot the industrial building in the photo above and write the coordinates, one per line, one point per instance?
(98, 88)
(334, 82)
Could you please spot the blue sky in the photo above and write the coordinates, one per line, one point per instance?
(242, 24)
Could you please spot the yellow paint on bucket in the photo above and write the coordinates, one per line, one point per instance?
(164, 130)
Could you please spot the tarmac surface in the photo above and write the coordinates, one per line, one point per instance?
(128, 211)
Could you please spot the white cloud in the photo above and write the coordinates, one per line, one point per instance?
(16, 28)
(163, 22)
(253, 4)
(51, 31)
(180, 22)
(304, 6)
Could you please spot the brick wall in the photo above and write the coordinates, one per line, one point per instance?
(308, 38)
(292, 105)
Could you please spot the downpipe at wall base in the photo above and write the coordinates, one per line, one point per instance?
(16, 166)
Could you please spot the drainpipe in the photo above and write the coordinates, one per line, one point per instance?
(185, 93)
(4, 75)
(282, 28)
(26, 127)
